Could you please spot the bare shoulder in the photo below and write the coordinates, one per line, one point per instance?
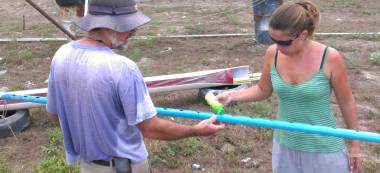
(270, 53)
(334, 63)
(335, 58)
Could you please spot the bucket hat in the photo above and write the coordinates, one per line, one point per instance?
(117, 15)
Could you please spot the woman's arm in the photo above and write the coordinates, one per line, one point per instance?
(342, 89)
(346, 100)
(258, 92)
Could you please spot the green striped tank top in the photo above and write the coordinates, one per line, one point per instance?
(307, 102)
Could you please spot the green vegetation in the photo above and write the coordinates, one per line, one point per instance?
(44, 30)
(229, 155)
(266, 134)
(363, 98)
(195, 29)
(246, 148)
(28, 51)
(166, 9)
(370, 166)
(54, 164)
(231, 16)
(150, 42)
(3, 167)
(352, 64)
(55, 160)
(155, 22)
(257, 109)
(135, 54)
(375, 58)
(370, 37)
(172, 29)
(11, 27)
(366, 13)
(171, 154)
(151, 31)
(377, 149)
(233, 19)
(260, 109)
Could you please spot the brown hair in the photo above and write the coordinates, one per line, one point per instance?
(295, 17)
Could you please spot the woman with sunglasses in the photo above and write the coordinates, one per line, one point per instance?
(303, 72)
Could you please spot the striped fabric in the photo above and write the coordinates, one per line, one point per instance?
(307, 102)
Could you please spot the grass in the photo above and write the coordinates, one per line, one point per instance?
(260, 109)
(369, 37)
(229, 156)
(151, 42)
(55, 136)
(11, 28)
(155, 22)
(172, 29)
(352, 64)
(370, 166)
(363, 98)
(232, 19)
(27, 51)
(55, 139)
(375, 58)
(135, 54)
(195, 29)
(3, 167)
(55, 160)
(171, 155)
(165, 9)
(377, 149)
(44, 30)
(175, 100)
(266, 133)
(246, 148)
(56, 164)
(366, 13)
(152, 31)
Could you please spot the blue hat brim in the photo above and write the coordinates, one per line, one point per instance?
(119, 23)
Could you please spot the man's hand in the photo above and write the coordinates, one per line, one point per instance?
(156, 128)
(208, 127)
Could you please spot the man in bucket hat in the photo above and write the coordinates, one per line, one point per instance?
(100, 97)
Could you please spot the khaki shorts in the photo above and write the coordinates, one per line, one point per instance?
(141, 167)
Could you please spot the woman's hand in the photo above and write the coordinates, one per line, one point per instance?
(355, 157)
(225, 98)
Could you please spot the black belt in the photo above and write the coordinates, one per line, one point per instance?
(104, 162)
(122, 165)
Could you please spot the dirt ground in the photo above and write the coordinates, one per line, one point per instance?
(26, 66)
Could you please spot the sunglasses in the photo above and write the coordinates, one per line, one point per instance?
(284, 42)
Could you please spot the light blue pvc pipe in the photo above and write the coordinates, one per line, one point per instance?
(244, 120)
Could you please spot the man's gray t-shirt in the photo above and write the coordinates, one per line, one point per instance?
(99, 97)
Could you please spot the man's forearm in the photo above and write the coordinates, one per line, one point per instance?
(172, 131)
(157, 128)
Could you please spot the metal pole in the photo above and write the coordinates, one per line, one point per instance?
(244, 120)
(51, 19)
